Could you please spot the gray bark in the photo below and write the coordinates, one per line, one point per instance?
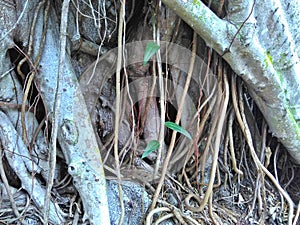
(75, 132)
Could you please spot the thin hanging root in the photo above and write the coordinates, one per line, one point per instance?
(221, 120)
(200, 127)
(219, 11)
(57, 101)
(188, 205)
(231, 145)
(6, 184)
(211, 213)
(164, 218)
(177, 213)
(174, 212)
(187, 179)
(297, 215)
(34, 65)
(117, 112)
(260, 167)
(205, 117)
(190, 219)
(153, 211)
(178, 116)
(161, 138)
(210, 135)
(30, 45)
(230, 214)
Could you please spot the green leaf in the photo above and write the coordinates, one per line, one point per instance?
(151, 147)
(178, 128)
(151, 49)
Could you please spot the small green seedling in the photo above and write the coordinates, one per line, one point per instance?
(151, 49)
(151, 147)
(154, 144)
(178, 128)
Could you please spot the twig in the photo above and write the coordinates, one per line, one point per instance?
(238, 31)
(16, 23)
